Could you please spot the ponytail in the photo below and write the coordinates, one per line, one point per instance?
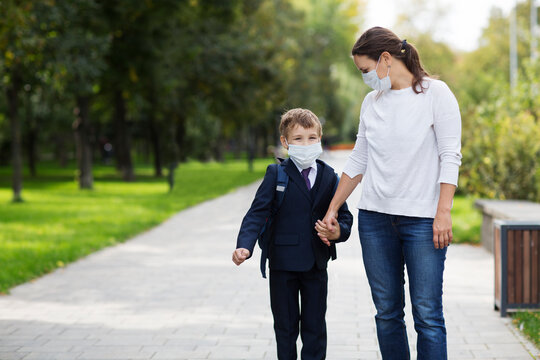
(409, 55)
(373, 42)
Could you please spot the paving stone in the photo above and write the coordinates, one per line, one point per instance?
(51, 356)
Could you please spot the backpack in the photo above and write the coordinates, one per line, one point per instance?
(265, 235)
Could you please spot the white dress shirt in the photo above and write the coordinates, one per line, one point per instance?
(312, 176)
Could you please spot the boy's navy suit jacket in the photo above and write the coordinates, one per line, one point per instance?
(294, 244)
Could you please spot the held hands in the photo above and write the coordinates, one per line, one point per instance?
(328, 229)
(442, 229)
(240, 255)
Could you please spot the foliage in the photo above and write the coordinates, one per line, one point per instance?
(529, 323)
(501, 151)
(183, 78)
(57, 224)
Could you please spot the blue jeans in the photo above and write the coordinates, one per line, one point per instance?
(389, 242)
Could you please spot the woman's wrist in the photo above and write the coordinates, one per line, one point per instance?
(444, 209)
(332, 209)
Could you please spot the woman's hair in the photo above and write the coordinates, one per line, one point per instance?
(373, 42)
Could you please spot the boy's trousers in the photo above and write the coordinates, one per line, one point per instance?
(286, 287)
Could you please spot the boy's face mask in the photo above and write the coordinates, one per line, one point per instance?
(372, 79)
(304, 155)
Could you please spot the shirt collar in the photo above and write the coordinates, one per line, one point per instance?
(313, 166)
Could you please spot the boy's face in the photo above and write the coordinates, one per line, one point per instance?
(301, 136)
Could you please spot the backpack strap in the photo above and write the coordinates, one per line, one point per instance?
(281, 185)
(282, 180)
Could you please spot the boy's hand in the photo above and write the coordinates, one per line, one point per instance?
(325, 233)
(240, 255)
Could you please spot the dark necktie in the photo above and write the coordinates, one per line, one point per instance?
(305, 174)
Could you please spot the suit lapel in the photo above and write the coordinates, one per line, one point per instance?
(324, 178)
(294, 176)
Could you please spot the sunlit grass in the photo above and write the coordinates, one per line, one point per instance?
(529, 323)
(466, 220)
(58, 223)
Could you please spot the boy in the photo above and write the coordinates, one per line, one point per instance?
(298, 257)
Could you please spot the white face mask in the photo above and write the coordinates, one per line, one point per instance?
(304, 155)
(372, 79)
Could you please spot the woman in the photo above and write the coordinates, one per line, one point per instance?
(407, 153)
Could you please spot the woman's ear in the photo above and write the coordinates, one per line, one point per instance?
(387, 58)
(284, 142)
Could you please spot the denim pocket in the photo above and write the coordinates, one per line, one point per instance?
(282, 239)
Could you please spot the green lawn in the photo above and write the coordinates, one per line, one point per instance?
(466, 220)
(529, 323)
(59, 223)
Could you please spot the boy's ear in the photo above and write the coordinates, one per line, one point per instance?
(284, 142)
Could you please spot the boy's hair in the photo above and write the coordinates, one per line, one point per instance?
(298, 116)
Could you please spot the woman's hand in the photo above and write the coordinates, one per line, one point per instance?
(329, 221)
(325, 233)
(442, 229)
(442, 224)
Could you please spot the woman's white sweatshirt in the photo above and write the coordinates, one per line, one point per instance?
(407, 144)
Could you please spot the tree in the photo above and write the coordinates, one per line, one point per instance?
(80, 46)
(500, 125)
(20, 47)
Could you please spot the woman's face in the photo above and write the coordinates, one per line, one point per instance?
(365, 64)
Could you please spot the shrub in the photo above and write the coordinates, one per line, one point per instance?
(501, 143)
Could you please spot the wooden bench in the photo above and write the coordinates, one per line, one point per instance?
(511, 231)
(504, 210)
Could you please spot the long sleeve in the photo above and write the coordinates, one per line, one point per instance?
(259, 211)
(447, 126)
(357, 162)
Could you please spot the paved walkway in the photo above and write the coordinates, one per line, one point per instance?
(173, 293)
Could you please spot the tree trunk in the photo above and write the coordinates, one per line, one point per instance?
(60, 150)
(154, 141)
(172, 153)
(84, 146)
(31, 149)
(12, 93)
(122, 146)
(251, 140)
(219, 149)
(31, 137)
(180, 138)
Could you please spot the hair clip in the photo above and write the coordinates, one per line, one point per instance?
(403, 45)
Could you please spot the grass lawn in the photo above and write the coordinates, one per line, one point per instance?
(529, 323)
(466, 220)
(58, 223)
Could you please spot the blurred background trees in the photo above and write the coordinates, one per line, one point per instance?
(127, 82)
(163, 81)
